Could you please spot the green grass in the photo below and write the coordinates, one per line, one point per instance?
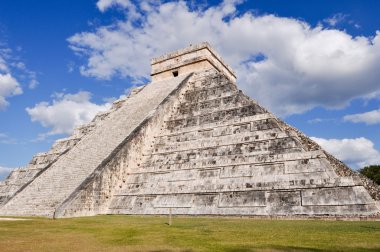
(151, 233)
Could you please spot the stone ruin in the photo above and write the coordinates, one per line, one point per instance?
(192, 143)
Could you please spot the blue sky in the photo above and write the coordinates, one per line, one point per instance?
(314, 63)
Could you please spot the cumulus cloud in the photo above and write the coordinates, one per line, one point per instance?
(370, 117)
(4, 172)
(11, 71)
(65, 112)
(301, 67)
(356, 152)
(9, 86)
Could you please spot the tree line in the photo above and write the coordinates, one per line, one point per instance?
(372, 172)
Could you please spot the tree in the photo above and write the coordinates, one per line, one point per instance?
(372, 172)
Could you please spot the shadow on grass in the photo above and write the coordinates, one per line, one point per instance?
(372, 228)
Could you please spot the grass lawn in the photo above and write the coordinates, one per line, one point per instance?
(151, 233)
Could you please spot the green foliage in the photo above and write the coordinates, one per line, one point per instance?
(151, 233)
(372, 172)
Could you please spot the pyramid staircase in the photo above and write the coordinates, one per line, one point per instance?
(43, 195)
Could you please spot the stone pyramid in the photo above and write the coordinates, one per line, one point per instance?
(192, 143)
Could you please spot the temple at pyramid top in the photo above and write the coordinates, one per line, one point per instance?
(191, 143)
(190, 59)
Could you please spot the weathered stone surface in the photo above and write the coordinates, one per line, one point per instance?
(192, 143)
(45, 193)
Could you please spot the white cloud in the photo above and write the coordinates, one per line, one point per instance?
(356, 152)
(4, 171)
(336, 19)
(65, 112)
(32, 76)
(370, 117)
(33, 84)
(11, 71)
(9, 86)
(303, 67)
(105, 4)
(3, 65)
(19, 65)
(322, 120)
